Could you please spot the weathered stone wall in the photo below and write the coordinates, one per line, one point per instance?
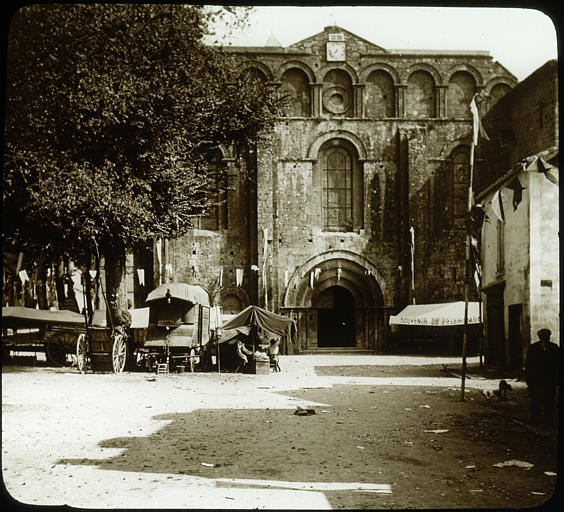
(401, 149)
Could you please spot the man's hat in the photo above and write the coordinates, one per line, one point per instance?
(544, 334)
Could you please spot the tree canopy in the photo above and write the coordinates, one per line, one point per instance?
(110, 112)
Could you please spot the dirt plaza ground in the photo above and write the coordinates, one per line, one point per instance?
(389, 432)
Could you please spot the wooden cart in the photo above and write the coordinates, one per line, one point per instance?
(101, 349)
(54, 332)
(177, 331)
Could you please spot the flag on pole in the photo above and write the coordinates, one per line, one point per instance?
(477, 128)
(497, 206)
(475, 253)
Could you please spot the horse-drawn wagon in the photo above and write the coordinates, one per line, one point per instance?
(177, 329)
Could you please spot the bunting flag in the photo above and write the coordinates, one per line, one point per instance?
(254, 267)
(339, 271)
(497, 206)
(286, 277)
(311, 279)
(517, 188)
(317, 273)
(19, 264)
(265, 248)
(220, 277)
(539, 164)
(23, 275)
(477, 128)
(475, 257)
(477, 280)
(159, 249)
(94, 273)
(140, 275)
(168, 268)
(239, 276)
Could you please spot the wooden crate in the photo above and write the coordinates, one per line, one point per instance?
(262, 367)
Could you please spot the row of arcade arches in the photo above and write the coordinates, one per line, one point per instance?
(380, 91)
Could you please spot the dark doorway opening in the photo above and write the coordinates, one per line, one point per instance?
(515, 337)
(335, 318)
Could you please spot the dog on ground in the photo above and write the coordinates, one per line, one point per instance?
(500, 393)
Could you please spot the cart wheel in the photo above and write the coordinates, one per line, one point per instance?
(56, 352)
(81, 353)
(192, 360)
(119, 351)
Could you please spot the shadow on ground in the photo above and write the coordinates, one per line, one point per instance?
(381, 435)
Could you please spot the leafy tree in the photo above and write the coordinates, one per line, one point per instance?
(111, 110)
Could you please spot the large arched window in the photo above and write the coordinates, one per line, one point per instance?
(336, 176)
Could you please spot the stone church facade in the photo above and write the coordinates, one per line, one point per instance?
(356, 206)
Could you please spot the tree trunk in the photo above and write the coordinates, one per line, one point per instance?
(116, 292)
(60, 284)
(41, 283)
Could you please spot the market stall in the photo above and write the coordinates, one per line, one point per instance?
(436, 327)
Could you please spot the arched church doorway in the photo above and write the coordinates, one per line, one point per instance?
(335, 318)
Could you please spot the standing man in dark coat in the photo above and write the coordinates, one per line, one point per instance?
(542, 366)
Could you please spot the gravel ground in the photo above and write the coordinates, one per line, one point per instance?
(388, 432)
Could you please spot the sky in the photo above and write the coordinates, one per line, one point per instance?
(521, 40)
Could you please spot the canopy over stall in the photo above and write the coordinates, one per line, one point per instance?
(254, 316)
(231, 335)
(20, 317)
(436, 328)
(437, 315)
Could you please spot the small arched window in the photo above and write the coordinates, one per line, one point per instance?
(216, 217)
(461, 88)
(379, 95)
(231, 305)
(420, 95)
(295, 87)
(497, 92)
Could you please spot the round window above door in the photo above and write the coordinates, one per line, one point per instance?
(336, 99)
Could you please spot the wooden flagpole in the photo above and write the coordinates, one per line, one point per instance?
(475, 130)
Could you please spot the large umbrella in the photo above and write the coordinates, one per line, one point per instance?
(181, 291)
